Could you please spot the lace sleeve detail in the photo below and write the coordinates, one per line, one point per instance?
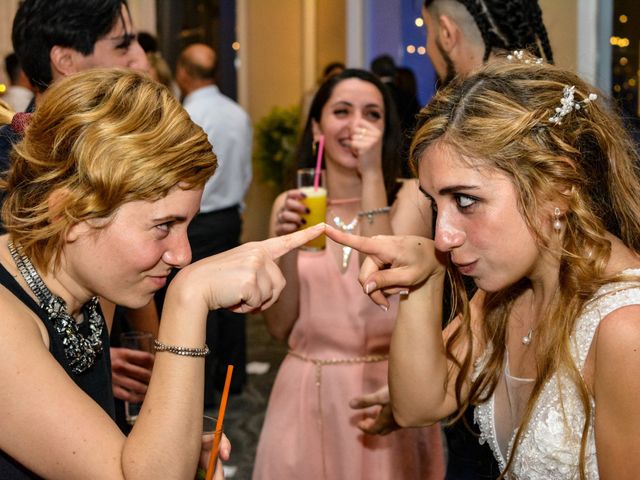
(609, 298)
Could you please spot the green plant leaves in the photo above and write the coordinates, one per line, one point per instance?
(276, 136)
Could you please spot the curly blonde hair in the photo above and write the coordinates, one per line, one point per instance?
(98, 139)
(499, 118)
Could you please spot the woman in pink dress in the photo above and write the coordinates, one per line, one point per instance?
(338, 339)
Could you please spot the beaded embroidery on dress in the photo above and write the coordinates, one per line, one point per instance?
(550, 445)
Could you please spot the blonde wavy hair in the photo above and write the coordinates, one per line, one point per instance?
(499, 119)
(97, 140)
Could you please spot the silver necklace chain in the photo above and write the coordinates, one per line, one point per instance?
(347, 228)
(80, 351)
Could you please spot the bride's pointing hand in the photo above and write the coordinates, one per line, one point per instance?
(394, 263)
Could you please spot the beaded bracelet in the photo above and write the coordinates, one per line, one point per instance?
(376, 211)
(184, 351)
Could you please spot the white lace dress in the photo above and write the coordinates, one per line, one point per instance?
(550, 446)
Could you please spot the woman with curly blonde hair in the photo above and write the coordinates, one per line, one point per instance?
(99, 196)
(535, 185)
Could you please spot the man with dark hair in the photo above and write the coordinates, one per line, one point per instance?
(56, 38)
(20, 92)
(463, 34)
(218, 225)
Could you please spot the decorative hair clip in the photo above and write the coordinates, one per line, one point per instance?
(518, 55)
(568, 104)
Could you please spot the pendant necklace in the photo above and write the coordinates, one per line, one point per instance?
(347, 228)
(79, 350)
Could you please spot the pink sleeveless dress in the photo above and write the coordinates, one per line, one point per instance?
(338, 350)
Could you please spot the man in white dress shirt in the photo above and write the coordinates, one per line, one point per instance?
(218, 225)
(20, 92)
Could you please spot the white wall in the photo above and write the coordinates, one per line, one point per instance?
(7, 12)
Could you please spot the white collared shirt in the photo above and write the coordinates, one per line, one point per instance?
(229, 130)
(18, 98)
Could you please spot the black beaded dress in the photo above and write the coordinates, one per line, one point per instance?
(95, 381)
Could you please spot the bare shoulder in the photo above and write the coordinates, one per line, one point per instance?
(616, 388)
(18, 319)
(615, 354)
(33, 381)
(619, 333)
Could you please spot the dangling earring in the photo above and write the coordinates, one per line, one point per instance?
(557, 225)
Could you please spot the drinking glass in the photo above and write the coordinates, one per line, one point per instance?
(210, 436)
(135, 341)
(315, 201)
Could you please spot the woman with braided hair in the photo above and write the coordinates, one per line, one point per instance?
(535, 183)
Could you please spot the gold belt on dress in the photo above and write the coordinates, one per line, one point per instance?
(319, 363)
(340, 361)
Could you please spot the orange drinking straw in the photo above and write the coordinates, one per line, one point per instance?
(216, 438)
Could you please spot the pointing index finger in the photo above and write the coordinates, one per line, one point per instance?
(278, 246)
(365, 245)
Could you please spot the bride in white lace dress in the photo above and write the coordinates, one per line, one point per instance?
(538, 200)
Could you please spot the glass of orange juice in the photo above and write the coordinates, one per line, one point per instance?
(315, 201)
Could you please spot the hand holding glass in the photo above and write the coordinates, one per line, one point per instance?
(209, 437)
(135, 341)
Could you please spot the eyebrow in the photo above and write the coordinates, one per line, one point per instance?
(170, 218)
(368, 105)
(456, 188)
(128, 36)
(449, 190)
(342, 102)
(125, 39)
